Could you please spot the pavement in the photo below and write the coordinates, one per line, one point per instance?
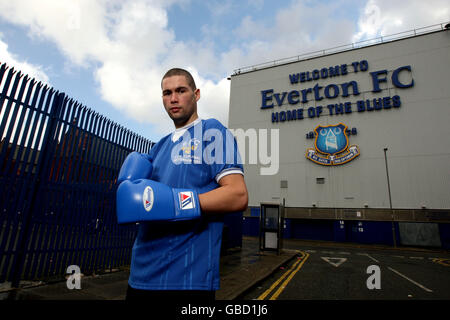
(240, 269)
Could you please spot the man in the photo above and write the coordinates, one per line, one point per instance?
(177, 255)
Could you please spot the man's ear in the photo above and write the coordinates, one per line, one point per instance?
(197, 94)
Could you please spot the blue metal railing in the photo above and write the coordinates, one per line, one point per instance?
(58, 166)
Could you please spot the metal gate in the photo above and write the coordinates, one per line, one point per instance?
(58, 166)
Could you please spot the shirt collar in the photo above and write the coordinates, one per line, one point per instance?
(180, 131)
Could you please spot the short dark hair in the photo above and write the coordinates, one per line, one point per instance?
(181, 72)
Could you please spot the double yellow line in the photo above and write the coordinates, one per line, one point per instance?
(289, 274)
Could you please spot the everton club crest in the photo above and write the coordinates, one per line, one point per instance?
(331, 146)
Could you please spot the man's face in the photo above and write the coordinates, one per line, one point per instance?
(180, 100)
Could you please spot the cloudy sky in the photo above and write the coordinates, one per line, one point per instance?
(110, 55)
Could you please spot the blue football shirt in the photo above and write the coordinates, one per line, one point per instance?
(185, 255)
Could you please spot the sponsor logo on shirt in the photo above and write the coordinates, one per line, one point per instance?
(186, 200)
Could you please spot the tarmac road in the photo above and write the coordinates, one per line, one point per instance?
(327, 272)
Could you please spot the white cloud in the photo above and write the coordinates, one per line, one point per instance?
(129, 45)
(257, 4)
(33, 71)
(219, 7)
(386, 17)
(249, 28)
(301, 27)
(307, 26)
(73, 25)
(214, 96)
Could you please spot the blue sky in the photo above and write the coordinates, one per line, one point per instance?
(110, 54)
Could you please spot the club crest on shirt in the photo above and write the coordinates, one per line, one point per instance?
(190, 146)
(186, 199)
(188, 152)
(147, 199)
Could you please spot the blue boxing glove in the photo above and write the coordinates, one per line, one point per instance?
(135, 166)
(148, 200)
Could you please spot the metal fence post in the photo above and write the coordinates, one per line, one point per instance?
(18, 264)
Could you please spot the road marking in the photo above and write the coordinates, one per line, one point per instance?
(275, 284)
(367, 255)
(370, 257)
(410, 280)
(299, 262)
(417, 258)
(336, 264)
(444, 262)
(348, 253)
(310, 251)
(285, 283)
(402, 257)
